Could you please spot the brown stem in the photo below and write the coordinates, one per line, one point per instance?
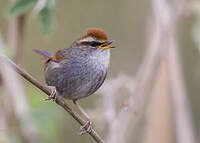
(59, 101)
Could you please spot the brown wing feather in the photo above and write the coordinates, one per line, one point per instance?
(61, 55)
(57, 57)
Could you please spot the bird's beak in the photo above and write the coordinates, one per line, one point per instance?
(105, 45)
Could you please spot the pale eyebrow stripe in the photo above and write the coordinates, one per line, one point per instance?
(88, 39)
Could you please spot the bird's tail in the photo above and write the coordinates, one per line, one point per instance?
(46, 56)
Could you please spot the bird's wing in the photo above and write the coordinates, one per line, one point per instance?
(60, 55)
(57, 57)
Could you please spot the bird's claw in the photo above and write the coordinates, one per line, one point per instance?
(52, 96)
(86, 127)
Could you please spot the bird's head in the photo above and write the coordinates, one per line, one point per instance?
(95, 38)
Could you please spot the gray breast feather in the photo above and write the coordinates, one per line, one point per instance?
(77, 78)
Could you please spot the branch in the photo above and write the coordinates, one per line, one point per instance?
(60, 101)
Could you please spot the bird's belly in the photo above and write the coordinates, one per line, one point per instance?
(85, 86)
(76, 80)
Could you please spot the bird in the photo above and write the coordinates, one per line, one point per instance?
(78, 71)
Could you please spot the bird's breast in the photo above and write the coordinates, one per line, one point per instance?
(100, 60)
(80, 76)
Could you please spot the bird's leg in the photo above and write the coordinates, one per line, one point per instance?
(87, 127)
(52, 96)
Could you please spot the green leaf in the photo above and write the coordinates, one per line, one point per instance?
(46, 19)
(20, 7)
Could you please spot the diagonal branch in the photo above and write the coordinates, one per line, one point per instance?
(59, 101)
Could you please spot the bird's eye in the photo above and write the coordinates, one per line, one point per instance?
(93, 44)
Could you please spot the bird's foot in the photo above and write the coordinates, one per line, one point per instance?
(52, 96)
(86, 127)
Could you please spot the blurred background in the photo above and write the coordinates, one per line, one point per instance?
(140, 29)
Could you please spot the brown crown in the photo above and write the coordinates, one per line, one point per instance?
(97, 33)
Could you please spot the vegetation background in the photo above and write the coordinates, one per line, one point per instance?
(127, 22)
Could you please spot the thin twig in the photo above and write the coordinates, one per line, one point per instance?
(182, 112)
(59, 101)
(168, 15)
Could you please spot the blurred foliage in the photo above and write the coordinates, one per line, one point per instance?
(4, 49)
(195, 7)
(21, 7)
(13, 138)
(123, 21)
(9, 52)
(47, 115)
(46, 17)
(42, 8)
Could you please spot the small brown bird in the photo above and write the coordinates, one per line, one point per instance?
(80, 70)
